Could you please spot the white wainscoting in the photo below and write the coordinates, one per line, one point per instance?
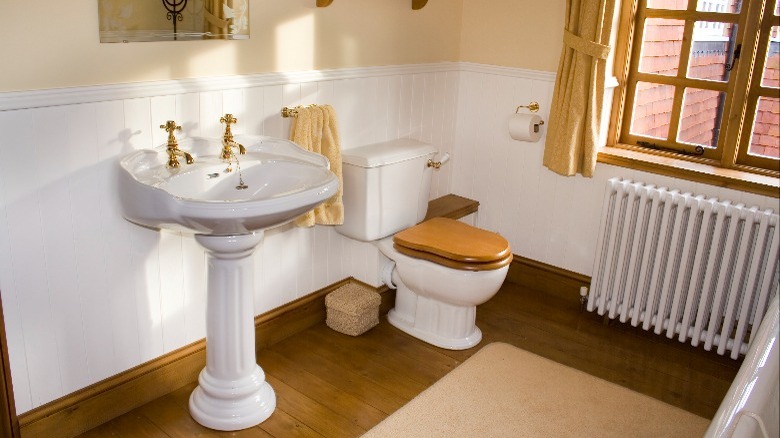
(88, 295)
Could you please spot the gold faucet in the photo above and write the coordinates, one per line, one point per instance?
(173, 146)
(227, 139)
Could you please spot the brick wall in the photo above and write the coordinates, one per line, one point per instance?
(766, 130)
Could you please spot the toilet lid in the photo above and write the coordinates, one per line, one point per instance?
(454, 244)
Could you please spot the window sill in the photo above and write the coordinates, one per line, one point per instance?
(667, 164)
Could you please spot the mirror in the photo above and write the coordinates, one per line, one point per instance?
(124, 21)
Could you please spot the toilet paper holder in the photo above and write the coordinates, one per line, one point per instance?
(533, 107)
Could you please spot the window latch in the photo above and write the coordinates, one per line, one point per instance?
(698, 150)
(737, 51)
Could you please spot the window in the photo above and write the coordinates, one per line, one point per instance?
(701, 83)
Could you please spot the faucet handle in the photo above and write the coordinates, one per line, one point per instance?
(228, 120)
(170, 126)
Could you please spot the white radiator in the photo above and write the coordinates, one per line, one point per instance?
(688, 266)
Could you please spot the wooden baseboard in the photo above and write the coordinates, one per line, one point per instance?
(546, 278)
(92, 406)
(9, 423)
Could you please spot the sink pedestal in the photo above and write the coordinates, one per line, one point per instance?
(232, 393)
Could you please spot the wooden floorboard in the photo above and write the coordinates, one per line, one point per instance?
(317, 387)
(332, 423)
(325, 352)
(172, 418)
(283, 424)
(397, 351)
(131, 424)
(590, 340)
(332, 385)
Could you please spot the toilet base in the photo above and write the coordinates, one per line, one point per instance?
(443, 325)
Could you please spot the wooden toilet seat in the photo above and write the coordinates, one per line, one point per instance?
(455, 245)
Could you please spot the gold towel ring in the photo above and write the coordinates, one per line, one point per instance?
(293, 112)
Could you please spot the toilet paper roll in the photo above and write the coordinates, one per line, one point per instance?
(525, 127)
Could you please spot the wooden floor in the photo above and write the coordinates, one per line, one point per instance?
(332, 385)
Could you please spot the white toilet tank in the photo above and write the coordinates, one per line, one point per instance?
(386, 188)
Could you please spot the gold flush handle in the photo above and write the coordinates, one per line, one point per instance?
(437, 164)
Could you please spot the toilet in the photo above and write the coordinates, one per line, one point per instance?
(442, 269)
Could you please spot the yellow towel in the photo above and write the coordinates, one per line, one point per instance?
(316, 129)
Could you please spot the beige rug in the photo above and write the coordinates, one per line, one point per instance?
(503, 391)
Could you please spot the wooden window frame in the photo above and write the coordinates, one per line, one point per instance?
(730, 166)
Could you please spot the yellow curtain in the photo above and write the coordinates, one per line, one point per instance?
(578, 96)
(214, 13)
(226, 17)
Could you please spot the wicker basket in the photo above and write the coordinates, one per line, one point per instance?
(352, 309)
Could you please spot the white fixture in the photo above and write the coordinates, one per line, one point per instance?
(697, 269)
(386, 190)
(283, 181)
(227, 211)
(751, 407)
(437, 304)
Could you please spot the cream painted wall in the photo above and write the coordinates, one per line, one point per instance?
(62, 48)
(513, 33)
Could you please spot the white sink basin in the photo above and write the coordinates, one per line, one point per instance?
(282, 181)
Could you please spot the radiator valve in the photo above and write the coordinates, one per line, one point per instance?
(583, 297)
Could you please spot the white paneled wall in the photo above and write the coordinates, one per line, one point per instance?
(545, 217)
(88, 295)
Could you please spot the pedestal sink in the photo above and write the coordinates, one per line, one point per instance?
(227, 207)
